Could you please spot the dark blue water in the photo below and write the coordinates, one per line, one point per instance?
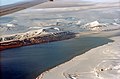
(28, 62)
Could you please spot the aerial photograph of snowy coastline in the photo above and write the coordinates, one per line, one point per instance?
(60, 39)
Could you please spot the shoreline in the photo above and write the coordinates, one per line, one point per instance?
(39, 37)
(50, 50)
(52, 72)
(60, 71)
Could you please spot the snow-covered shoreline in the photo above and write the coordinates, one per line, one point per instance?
(102, 62)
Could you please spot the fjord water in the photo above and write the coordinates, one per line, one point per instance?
(28, 62)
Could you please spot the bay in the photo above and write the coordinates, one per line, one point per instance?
(29, 61)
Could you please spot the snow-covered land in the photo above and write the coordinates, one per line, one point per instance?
(96, 26)
(29, 34)
(102, 62)
(81, 17)
(74, 18)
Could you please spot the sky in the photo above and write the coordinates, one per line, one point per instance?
(6, 2)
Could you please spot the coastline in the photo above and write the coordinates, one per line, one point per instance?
(85, 66)
(49, 52)
(68, 71)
